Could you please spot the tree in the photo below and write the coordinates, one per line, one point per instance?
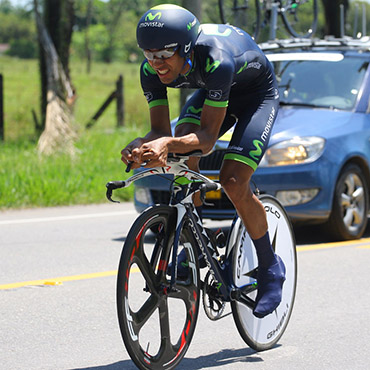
(332, 16)
(58, 93)
(58, 18)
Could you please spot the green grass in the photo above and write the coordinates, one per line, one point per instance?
(22, 94)
(30, 180)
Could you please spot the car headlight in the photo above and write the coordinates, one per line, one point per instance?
(294, 151)
(142, 195)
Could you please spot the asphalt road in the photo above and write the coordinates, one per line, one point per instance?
(57, 299)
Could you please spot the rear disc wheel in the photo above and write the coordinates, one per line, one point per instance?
(263, 334)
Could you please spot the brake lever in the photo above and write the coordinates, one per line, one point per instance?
(113, 185)
(203, 191)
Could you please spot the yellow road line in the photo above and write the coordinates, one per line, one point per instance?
(58, 281)
(362, 244)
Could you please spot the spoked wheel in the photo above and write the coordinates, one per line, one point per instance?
(156, 324)
(300, 17)
(262, 334)
(245, 14)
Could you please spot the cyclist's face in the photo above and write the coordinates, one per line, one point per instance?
(168, 69)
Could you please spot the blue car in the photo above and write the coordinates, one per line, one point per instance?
(318, 160)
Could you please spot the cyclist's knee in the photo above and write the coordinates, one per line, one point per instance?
(234, 178)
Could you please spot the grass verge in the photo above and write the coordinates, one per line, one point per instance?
(28, 180)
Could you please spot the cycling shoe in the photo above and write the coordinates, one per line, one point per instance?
(269, 288)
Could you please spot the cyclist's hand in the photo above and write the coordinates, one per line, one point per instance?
(155, 153)
(132, 153)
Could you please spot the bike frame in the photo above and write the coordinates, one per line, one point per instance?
(182, 199)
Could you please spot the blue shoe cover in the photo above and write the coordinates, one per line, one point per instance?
(269, 288)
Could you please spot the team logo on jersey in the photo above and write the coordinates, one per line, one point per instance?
(255, 65)
(148, 68)
(212, 67)
(242, 68)
(149, 96)
(215, 94)
(193, 110)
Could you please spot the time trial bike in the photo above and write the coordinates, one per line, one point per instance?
(157, 308)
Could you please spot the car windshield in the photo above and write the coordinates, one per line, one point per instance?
(329, 80)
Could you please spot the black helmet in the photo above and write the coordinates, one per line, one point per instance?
(166, 26)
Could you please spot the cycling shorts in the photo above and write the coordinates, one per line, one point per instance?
(254, 116)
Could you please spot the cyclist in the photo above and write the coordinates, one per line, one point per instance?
(235, 84)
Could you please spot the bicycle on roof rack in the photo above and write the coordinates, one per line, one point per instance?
(329, 42)
(299, 16)
(158, 309)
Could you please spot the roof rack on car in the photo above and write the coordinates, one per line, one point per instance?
(329, 41)
(358, 41)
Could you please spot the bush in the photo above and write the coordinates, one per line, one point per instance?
(22, 48)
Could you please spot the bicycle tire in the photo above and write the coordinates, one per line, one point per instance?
(296, 27)
(263, 334)
(151, 340)
(245, 14)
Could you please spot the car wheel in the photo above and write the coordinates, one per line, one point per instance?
(348, 219)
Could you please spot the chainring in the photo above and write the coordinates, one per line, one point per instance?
(213, 304)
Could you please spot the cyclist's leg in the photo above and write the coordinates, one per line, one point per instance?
(245, 151)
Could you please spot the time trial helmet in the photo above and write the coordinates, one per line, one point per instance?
(168, 26)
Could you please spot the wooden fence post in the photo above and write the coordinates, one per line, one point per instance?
(101, 110)
(1, 109)
(120, 111)
(120, 102)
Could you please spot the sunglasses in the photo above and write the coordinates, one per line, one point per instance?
(160, 54)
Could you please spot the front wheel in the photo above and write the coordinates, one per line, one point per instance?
(262, 334)
(157, 324)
